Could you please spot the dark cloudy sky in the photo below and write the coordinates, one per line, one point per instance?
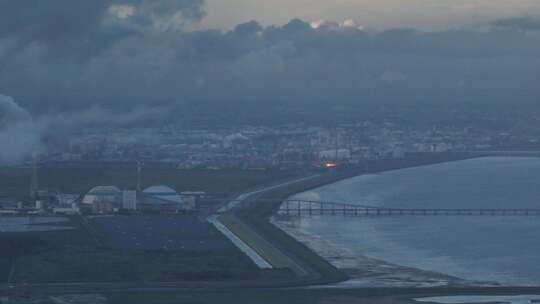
(379, 14)
(66, 55)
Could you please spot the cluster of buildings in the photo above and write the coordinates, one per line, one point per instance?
(43, 202)
(155, 199)
(285, 146)
(104, 200)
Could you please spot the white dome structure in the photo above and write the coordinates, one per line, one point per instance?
(102, 194)
(162, 199)
(164, 193)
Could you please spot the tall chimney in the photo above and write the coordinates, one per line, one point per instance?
(139, 176)
(34, 181)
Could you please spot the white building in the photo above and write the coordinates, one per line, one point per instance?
(161, 199)
(129, 200)
(191, 198)
(102, 194)
(103, 199)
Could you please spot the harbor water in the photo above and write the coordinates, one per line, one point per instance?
(432, 250)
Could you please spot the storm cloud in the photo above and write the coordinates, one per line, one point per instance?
(521, 23)
(80, 28)
(125, 54)
(19, 135)
(77, 63)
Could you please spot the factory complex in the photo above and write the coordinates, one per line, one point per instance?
(154, 199)
(104, 199)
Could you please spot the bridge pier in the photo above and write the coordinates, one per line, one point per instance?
(302, 208)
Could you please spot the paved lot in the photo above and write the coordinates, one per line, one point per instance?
(161, 232)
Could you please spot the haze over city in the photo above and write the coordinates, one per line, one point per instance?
(185, 58)
(269, 151)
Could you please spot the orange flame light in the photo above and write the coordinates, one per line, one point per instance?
(330, 165)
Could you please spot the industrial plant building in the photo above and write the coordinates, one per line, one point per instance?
(129, 200)
(161, 199)
(155, 199)
(103, 199)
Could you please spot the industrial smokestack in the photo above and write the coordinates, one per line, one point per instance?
(139, 172)
(34, 180)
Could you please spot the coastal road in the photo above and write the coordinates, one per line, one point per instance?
(262, 252)
(241, 286)
(239, 243)
(244, 196)
(93, 287)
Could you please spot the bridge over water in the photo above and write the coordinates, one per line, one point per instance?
(319, 208)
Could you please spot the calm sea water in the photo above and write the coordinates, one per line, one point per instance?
(500, 249)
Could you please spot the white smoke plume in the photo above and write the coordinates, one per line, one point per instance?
(19, 134)
(100, 116)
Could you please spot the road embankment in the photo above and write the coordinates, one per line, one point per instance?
(248, 218)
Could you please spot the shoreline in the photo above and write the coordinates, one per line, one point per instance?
(322, 284)
(366, 271)
(256, 219)
(369, 272)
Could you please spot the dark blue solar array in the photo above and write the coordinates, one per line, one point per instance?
(161, 232)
